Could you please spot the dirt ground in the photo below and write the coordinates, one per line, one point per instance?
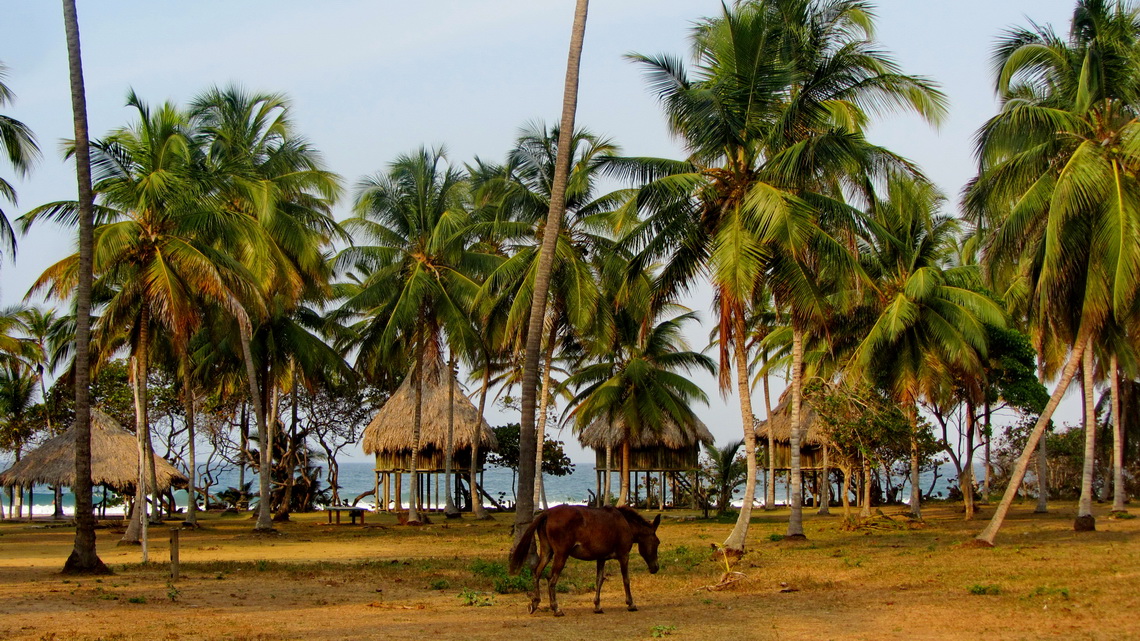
(444, 581)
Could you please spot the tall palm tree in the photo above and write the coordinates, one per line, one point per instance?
(18, 144)
(418, 265)
(274, 186)
(528, 438)
(1057, 185)
(930, 318)
(773, 118)
(155, 251)
(83, 558)
(636, 379)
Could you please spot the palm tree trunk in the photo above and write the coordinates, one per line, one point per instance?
(1085, 520)
(83, 558)
(1042, 454)
(734, 544)
(540, 434)
(623, 492)
(795, 522)
(988, 466)
(986, 536)
(137, 530)
(476, 495)
(524, 509)
(915, 489)
(1118, 490)
(865, 507)
(264, 515)
(966, 476)
(290, 455)
(191, 493)
(414, 503)
(770, 490)
(825, 487)
(846, 491)
(449, 509)
(609, 473)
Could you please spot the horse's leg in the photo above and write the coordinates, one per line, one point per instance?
(556, 570)
(623, 561)
(598, 586)
(544, 554)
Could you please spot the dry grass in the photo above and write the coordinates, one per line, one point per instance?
(315, 581)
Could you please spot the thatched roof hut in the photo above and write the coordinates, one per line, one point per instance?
(114, 460)
(673, 447)
(811, 441)
(389, 436)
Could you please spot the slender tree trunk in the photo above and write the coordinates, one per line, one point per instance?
(915, 489)
(624, 473)
(243, 455)
(524, 509)
(606, 491)
(825, 487)
(735, 543)
(1118, 490)
(966, 476)
(449, 509)
(795, 522)
(414, 504)
(865, 507)
(540, 434)
(191, 491)
(83, 558)
(264, 515)
(137, 529)
(1042, 453)
(846, 491)
(476, 495)
(1085, 520)
(988, 465)
(986, 536)
(291, 455)
(770, 489)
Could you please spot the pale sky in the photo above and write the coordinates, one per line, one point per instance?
(373, 79)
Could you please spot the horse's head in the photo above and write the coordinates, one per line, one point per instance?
(647, 543)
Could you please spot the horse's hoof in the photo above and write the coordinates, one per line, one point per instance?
(533, 608)
(599, 611)
(632, 608)
(559, 613)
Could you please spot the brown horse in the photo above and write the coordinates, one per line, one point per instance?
(589, 534)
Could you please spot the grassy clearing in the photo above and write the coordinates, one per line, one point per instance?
(449, 580)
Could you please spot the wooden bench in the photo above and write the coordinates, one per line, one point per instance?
(354, 511)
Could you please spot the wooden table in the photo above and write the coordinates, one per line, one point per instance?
(353, 512)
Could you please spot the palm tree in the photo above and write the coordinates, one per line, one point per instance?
(528, 437)
(155, 255)
(1057, 185)
(773, 120)
(83, 558)
(929, 318)
(418, 266)
(276, 189)
(727, 472)
(634, 379)
(19, 145)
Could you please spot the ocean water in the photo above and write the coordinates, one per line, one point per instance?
(357, 478)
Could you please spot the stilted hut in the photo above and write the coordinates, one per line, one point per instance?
(669, 457)
(114, 461)
(390, 438)
(812, 440)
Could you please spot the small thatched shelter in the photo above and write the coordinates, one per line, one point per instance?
(114, 460)
(811, 441)
(669, 452)
(389, 436)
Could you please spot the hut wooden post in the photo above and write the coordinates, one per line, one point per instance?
(398, 496)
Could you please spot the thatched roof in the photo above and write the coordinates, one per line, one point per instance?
(114, 459)
(602, 432)
(391, 430)
(781, 423)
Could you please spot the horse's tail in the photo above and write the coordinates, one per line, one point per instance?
(522, 548)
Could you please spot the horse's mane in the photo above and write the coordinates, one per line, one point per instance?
(634, 517)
